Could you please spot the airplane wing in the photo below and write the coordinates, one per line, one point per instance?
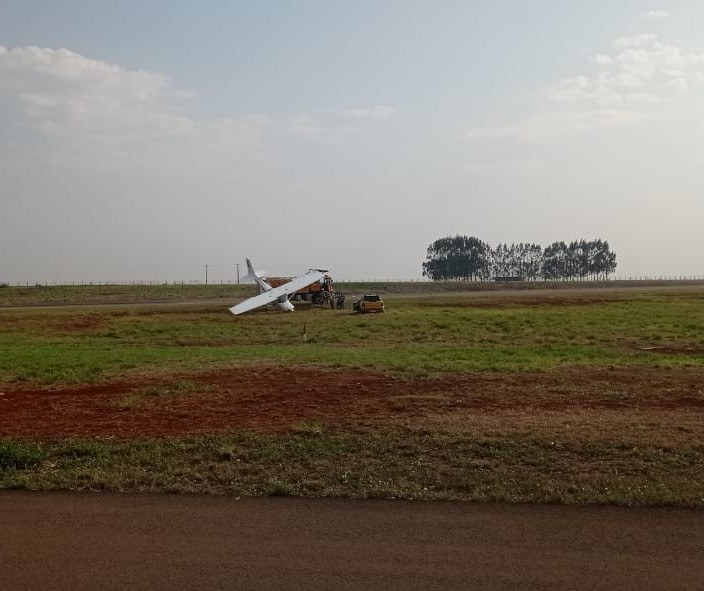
(252, 303)
(285, 290)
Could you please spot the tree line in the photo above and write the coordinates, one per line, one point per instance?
(467, 258)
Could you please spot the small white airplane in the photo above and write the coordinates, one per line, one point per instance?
(279, 296)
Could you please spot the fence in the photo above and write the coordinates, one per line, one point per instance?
(153, 282)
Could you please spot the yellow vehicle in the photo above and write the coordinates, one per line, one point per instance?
(369, 303)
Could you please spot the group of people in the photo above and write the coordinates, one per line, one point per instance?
(336, 301)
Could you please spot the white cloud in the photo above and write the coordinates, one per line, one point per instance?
(505, 167)
(642, 73)
(603, 60)
(634, 40)
(329, 126)
(582, 88)
(656, 14)
(679, 84)
(656, 63)
(89, 111)
(377, 112)
(550, 126)
(97, 111)
(644, 98)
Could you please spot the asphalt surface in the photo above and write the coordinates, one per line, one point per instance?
(103, 541)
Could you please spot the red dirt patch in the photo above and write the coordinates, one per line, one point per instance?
(266, 398)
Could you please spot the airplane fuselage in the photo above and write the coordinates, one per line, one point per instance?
(283, 304)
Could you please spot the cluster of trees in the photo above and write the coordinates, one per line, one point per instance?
(466, 258)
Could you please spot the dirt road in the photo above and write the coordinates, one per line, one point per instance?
(76, 541)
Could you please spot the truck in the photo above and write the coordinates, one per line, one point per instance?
(316, 293)
(368, 303)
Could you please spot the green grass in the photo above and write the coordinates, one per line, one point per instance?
(419, 336)
(18, 456)
(626, 455)
(101, 294)
(398, 463)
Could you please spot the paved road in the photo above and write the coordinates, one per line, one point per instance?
(77, 541)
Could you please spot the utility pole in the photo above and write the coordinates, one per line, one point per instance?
(238, 273)
(206, 273)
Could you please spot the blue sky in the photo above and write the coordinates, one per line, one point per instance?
(146, 139)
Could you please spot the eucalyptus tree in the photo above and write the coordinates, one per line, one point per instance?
(555, 261)
(457, 258)
(467, 258)
(602, 262)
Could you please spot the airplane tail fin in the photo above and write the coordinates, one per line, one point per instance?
(252, 276)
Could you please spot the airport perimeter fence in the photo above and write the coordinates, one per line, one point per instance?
(154, 282)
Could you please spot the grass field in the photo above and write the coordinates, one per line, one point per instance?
(561, 395)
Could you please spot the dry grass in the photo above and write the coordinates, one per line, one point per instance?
(615, 427)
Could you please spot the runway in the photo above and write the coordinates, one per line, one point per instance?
(105, 541)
